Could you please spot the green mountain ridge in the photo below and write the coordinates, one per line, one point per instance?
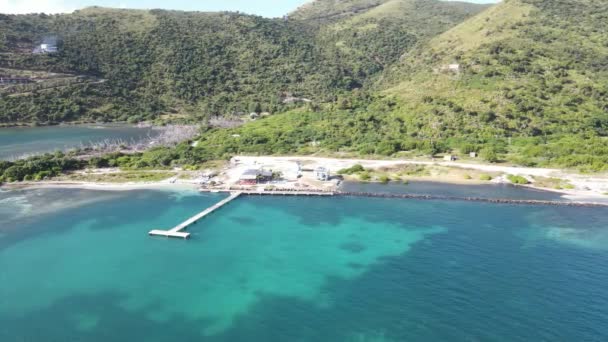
(333, 9)
(524, 81)
(199, 64)
(529, 84)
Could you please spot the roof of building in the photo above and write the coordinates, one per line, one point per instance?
(253, 174)
(249, 175)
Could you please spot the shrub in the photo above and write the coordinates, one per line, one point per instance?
(489, 154)
(518, 179)
(485, 177)
(387, 148)
(384, 179)
(352, 170)
(468, 148)
(365, 176)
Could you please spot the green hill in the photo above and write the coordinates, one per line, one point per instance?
(528, 84)
(375, 34)
(330, 10)
(198, 65)
(532, 80)
(157, 62)
(524, 81)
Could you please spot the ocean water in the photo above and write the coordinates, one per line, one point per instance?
(77, 265)
(19, 141)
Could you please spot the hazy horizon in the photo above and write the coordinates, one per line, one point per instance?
(266, 8)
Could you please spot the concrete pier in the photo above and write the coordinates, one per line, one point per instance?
(287, 193)
(177, 231)
(279, 192)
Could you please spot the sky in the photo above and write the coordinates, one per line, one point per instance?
(267, 8)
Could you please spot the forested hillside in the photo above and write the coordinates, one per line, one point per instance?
(524, 81)
(532, 80)
(204, 64)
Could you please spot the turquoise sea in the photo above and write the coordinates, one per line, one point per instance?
(77, 265)
(19, 141)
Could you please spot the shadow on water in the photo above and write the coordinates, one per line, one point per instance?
(403, 212)
(467, 286)
(242, 220)
(572, 217)
(95, 318)
(472, 285)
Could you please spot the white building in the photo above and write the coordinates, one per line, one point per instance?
(322, 174)
(46, 48)
(454, 67)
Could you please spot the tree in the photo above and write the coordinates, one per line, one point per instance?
(489, 154)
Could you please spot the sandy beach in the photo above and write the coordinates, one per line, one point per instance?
(179, 185)
(594, 186)
(580, 187)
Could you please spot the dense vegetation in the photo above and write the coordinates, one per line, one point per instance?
(202, 64)
(38, 168)
(533, 82)
(52, 164)
(530, 86)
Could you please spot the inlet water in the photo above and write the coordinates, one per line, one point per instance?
(20, 141)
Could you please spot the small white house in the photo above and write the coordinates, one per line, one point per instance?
(473, 154)
(48, 48)
(45, 48)
(292, 171)
(449, 157)
(454, 67)
(322, 174)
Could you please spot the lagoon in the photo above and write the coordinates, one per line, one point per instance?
(78, 265)
(19, 141)
(491, 191)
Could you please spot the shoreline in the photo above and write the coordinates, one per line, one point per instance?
(181, 186)
(591, 186)
(565, 193)
(130, 186)
(71, 123)
(586, 188)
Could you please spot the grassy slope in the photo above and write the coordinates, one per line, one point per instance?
(369, 40)
(417, 78)
(532, 70)
(328, 10)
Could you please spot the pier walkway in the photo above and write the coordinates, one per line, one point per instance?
(177, 232)
(287, 193)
